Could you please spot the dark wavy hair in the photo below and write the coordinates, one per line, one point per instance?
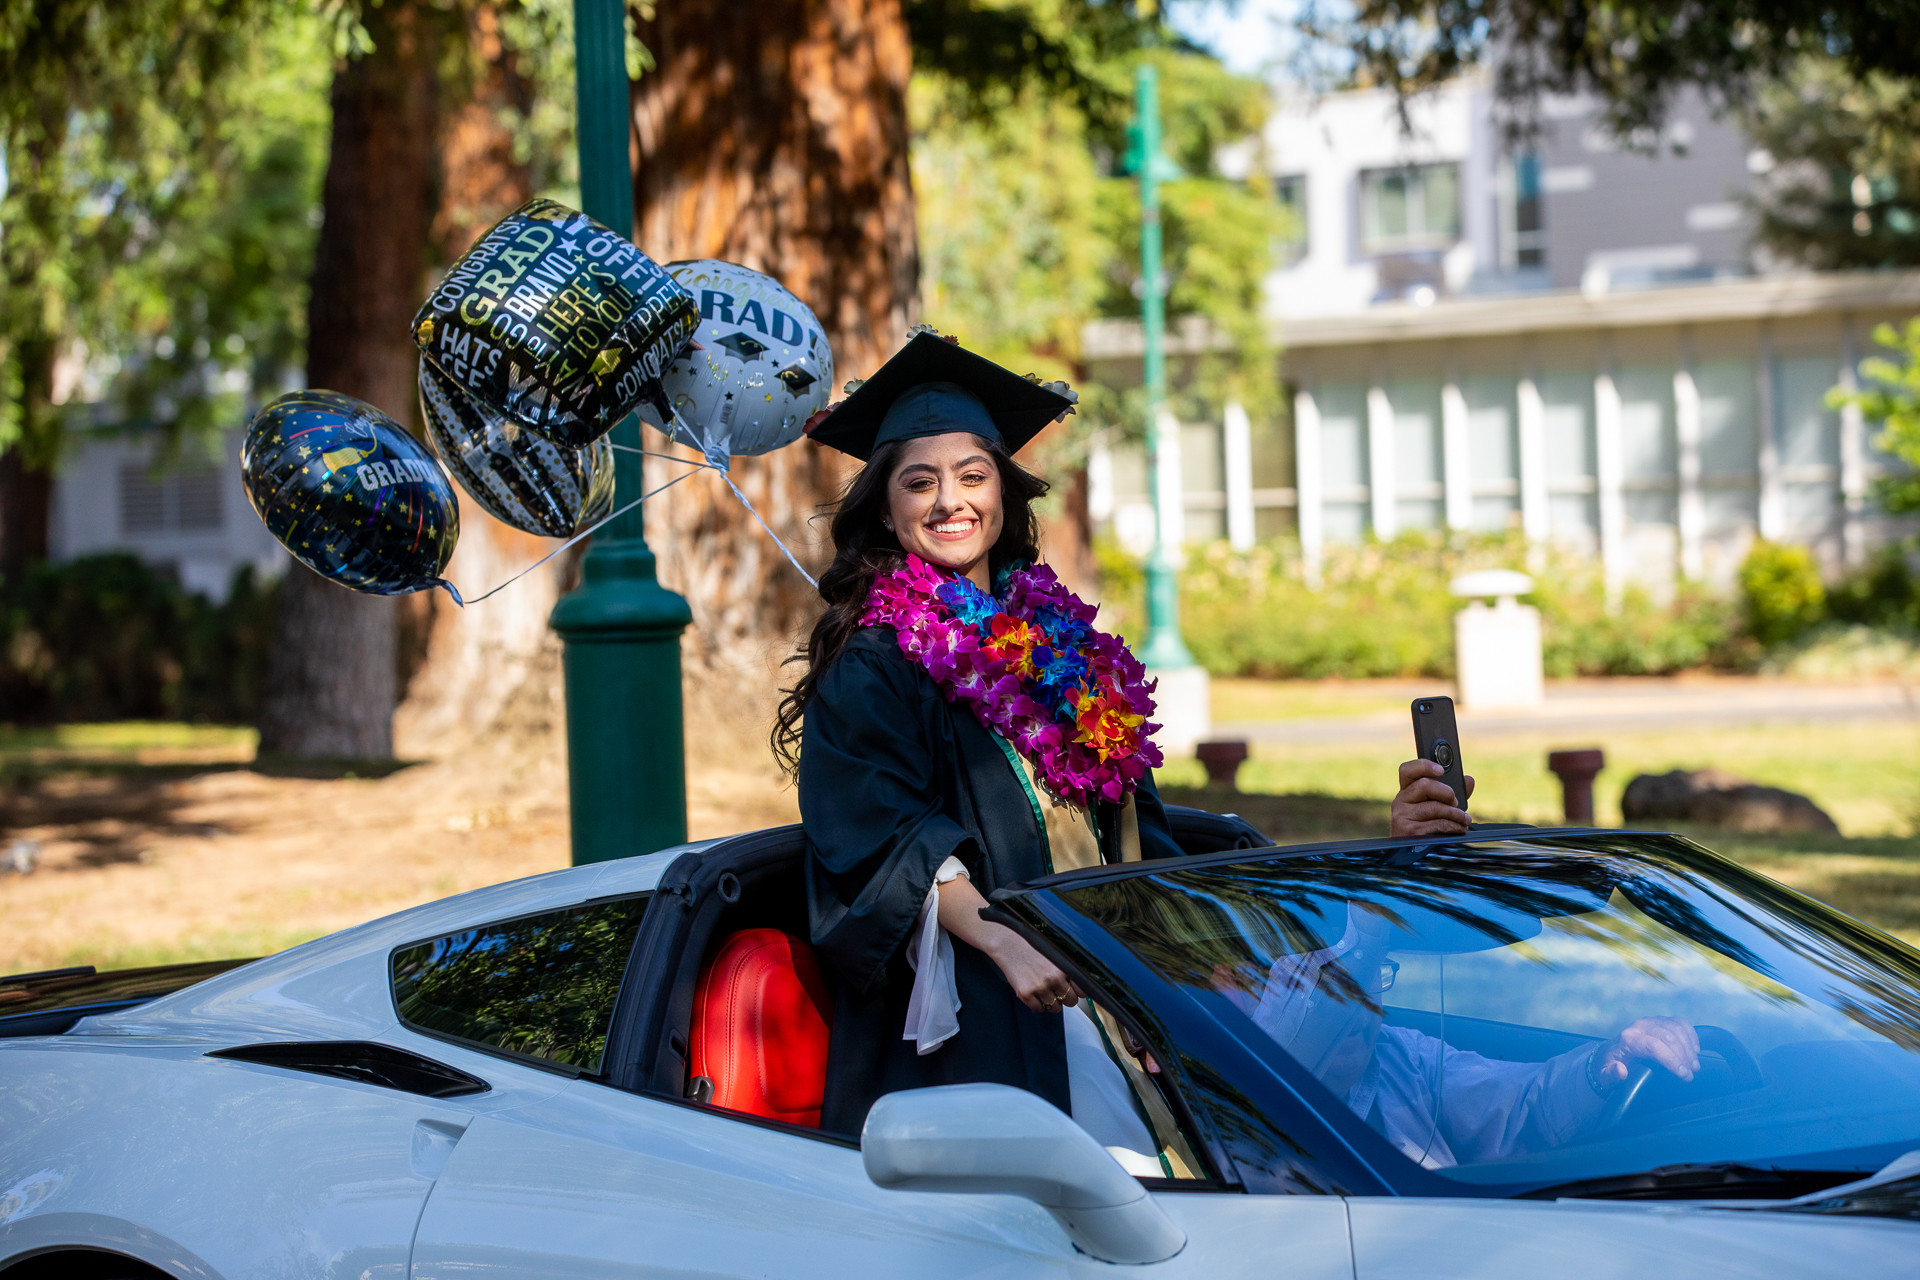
(863, 549)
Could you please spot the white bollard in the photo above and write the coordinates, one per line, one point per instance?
(1181, 705)
(1497, 650)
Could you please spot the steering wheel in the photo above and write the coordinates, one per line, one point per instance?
(1740, 1060)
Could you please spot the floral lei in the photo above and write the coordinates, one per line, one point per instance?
(1032, 667)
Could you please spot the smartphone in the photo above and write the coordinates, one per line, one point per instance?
(1437, 738)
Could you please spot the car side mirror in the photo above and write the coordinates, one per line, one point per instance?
(992, 1139)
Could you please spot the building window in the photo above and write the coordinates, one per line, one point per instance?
(1526, 231)
(1411, 209)
(172, 502)
(1291, 193)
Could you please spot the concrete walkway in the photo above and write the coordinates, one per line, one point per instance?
(1580, 708)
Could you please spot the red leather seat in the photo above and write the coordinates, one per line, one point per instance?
(761, 1018)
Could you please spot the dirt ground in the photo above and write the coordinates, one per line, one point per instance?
(153, 854)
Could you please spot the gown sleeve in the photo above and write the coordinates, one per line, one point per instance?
(877, 828)
(1156, 834)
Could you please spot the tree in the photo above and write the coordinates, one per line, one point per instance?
(781, 144)
(125, 177)
(1892, 398)
(333, 682)
(1844, 187)
(504, 139)
(1634, 55)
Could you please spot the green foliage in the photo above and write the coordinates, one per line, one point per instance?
(1885, 594)
(1780, 592)
(1383, 609)
(1011, 254)
(150, 153)
(1026, 235)
(106, 638)
(1895, 404)
(1633, 55)
(1844, 191)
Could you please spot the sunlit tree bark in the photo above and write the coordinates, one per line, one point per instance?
(779, 143)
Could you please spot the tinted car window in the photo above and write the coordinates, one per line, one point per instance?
(1463, 1006)
(540, 986)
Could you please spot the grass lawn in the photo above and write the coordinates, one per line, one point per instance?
(1866, 774)
(124, 742)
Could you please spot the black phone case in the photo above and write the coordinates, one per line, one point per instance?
(1436, 737)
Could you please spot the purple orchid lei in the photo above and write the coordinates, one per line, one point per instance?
(1029, 663)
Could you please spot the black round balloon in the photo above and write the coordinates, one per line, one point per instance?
(517, 475)
(350, 493)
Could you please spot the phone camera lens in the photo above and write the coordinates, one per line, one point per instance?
(1426, 708)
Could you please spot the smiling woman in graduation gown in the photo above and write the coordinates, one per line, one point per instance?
(899, 786)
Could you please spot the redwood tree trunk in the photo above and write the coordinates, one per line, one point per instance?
(332, 685)
(777, 141)
(475, 660)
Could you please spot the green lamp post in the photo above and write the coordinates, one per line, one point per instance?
(626, 753)
(1164, 648)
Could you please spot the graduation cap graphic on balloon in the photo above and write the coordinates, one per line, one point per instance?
(742, 346)
(796, 378)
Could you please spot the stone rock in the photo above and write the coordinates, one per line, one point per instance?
(1710, 798)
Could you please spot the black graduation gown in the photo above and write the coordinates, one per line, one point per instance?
(893, 780)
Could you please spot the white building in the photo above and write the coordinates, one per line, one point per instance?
(191, 519)
(1578, 341)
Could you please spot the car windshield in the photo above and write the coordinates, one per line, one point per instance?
(1493, 1010)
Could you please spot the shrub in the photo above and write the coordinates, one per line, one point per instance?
(1780, 592)
(1384, 609)
(107, 638)
(1882, 594)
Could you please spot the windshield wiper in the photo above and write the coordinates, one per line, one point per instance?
(1718, 1180)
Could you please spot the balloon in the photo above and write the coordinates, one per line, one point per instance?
(517, 475)
(350, 493)
(759, 366)
(555, 320)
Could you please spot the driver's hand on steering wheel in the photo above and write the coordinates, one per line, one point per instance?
(1670, 1042)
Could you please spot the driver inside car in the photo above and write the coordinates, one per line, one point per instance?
(1438, 1105)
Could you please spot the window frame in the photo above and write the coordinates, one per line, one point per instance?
(1418, 179)
(1291, 252)
(549, 1065)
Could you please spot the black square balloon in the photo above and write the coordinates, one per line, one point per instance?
(557, 322)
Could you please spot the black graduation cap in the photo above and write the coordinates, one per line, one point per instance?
(931, 387)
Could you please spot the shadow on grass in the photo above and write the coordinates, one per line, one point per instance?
(117, 807)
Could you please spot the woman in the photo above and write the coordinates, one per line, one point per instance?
(961, 726)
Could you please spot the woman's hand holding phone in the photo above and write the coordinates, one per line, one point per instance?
(1425, 805)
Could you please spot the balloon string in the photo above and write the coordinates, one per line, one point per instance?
(728, 476)
(615, 515)
(670, 457)
(764, 525)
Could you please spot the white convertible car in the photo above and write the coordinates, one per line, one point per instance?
(616, 1071)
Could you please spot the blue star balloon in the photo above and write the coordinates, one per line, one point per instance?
(350, 493)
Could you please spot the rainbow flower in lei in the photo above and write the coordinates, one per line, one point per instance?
(1032, 667)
